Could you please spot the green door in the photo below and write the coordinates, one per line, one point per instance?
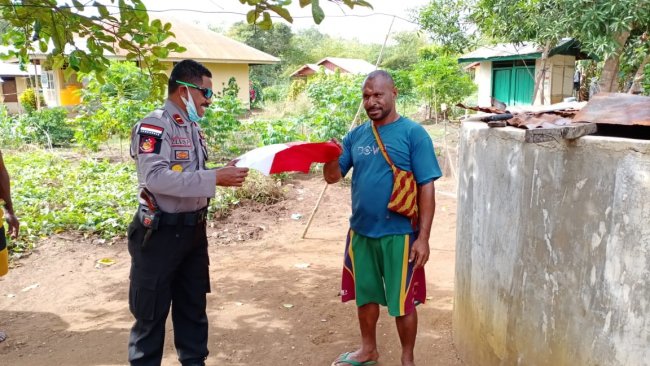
(501, 85)
(513, 85)
(524, 84)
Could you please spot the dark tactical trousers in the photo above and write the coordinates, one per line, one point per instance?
(171, 269)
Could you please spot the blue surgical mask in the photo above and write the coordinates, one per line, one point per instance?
(190, 107)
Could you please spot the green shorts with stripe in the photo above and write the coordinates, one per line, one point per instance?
(378, 271)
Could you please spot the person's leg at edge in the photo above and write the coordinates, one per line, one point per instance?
(407, 328)
(368, 315)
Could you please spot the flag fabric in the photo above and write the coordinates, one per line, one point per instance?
(289, 157)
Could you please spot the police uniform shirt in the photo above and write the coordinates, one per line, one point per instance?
(170, 154)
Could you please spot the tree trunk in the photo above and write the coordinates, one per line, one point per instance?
(636, 88)
(539, 81)
(608, 79)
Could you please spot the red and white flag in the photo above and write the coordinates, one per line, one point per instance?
(289, 157)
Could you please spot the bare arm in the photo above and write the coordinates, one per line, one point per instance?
(5, 195)
(427, 208)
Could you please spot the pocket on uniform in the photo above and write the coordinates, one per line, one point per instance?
(143, 297)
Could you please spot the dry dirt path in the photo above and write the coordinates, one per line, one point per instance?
(273, 302)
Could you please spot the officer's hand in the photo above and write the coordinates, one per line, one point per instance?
(231, 176)
(14, 225)
(232, 162)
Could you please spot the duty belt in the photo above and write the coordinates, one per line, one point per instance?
(182, 218)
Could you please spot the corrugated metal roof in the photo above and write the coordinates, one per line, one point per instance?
(306, 67)
(501, 51)
(205, 45)
(603, 108)
(520, 51)
(617, 109)
(350, 65)
(9, 69)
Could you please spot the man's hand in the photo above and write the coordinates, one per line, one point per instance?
(13, 223)
(231, 176)
(419, 252)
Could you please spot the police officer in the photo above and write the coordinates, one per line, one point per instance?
(167, 238)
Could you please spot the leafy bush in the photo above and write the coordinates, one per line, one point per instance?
(275, 93)
(335, 99)
(45, 127)
(230, 90)
(296, 88)
(28, 100)
(110, 107)
(10, 134)
(441, 80)
(220, 125)
(277, 131)
(52, 194)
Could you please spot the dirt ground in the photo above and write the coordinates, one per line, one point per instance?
(274, 297)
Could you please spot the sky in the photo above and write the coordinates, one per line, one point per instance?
(363, 24)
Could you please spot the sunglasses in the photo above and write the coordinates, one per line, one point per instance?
(207, 92)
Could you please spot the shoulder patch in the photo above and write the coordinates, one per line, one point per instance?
(148, 145)
(150, 130)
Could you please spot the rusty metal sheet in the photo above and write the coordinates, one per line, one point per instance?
(544, 120)
(481, 109)
(616, 109)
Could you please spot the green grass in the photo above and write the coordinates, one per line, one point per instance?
(59, 190)
(53, 193)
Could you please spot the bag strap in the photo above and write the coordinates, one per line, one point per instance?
(382, 148)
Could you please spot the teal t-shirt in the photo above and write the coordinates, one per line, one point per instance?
(410, 148)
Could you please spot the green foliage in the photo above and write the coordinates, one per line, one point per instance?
(612, 31)
(335, 99)
(52, 27)
(46, 127)
(232, 89)
(296, 87)
(448, 23)
(52, 194)
(262, 9)
(112, 105)
(220, 125)
(28, 100)
(275, 93)
(278, 131)
(646, 80)
(401, 56)
(10, 133)
(442, 81)
(404, 84)
(97, 197)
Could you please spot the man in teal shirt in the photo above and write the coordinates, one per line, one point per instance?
(385, 254)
